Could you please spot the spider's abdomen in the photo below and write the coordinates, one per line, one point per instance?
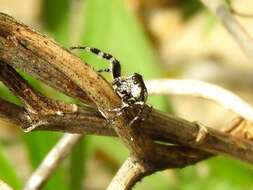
(136, 91)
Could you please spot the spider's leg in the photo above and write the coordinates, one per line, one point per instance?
(116, 81)
(134, 120)
(119, 111)
(141, 103)
(115, 65)
(148, 112)
(139, 115)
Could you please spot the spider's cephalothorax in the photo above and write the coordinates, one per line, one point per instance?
(131, 90)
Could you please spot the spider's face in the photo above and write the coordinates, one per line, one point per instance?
(122, 86)
(131, 89)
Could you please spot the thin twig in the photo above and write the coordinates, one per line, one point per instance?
(232, 25)
(51, 161)
(197, 88)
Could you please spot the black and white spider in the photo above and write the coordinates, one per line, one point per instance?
(131, 90)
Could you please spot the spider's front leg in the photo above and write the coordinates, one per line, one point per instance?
(142, 111)
(120, 110)
(115, 67)
(117, 112)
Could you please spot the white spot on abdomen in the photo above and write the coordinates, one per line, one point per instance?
(136, 91)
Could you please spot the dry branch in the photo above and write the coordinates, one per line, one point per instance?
(176, 158)
(168, 128)
(20, 47)
(23, 48)
(37, 106)
(34, 53)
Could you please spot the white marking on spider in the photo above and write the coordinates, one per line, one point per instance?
(100, 54)
(112, 59)
(136, 91)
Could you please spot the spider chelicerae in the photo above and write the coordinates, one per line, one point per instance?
(131, 89)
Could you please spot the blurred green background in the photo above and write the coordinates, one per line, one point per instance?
(121, 28)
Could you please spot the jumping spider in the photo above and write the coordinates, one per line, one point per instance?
(131, 90)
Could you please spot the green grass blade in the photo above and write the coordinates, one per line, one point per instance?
(56, 18)
(110, 145)
(6, 94)
(218, 173)
(77, 165)
(233, 172)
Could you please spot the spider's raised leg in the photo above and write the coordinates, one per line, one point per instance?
(131, 90)
(115, 65)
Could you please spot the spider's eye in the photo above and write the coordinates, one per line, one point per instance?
(135, 82)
